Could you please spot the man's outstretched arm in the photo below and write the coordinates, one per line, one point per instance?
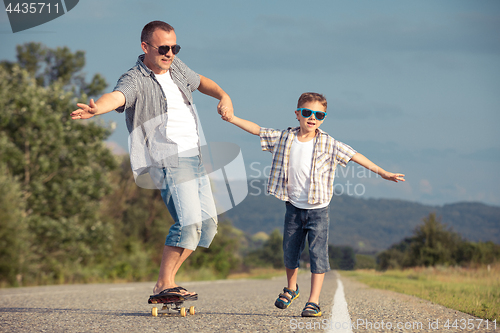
(106, 103)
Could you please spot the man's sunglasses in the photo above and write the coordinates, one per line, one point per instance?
(306, 113)
(163, 50)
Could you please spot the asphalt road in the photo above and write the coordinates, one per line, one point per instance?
(223, 306)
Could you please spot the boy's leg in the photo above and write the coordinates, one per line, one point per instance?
(316, 284)
(294, 237)
(288, 296)
(293, 245)
(291, 276)
(318, 228)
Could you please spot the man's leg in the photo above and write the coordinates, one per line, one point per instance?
(208, 210)
(171, 261)
(180, 196)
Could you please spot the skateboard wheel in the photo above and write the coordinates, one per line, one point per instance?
(154, 311)
(183, 312)
(191, 310)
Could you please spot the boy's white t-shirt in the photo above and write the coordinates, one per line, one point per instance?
(181, 125)
(299, 174)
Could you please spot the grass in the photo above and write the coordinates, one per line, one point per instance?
(475, 291)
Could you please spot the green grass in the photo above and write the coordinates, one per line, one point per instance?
(475, 291)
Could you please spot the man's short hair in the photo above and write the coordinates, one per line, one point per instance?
(311, 97)
(150, 28)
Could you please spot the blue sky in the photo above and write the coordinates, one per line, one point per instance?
(414, 86)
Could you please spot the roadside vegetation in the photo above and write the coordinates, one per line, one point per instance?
(438, 265)
(433, 244)
(473, 290)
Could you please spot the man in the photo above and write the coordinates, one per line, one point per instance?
(164, 141)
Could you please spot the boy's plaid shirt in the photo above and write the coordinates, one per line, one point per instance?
(328, 152)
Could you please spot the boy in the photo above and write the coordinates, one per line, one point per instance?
(302, 172)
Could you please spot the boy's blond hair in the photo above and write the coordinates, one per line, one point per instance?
(311, 97)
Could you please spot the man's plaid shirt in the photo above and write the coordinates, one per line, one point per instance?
(328, 152)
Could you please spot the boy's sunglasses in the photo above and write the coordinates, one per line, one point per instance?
(306, 113)
(163, 50)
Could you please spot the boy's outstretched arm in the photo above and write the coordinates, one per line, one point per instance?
(247, 125)
(365, 162)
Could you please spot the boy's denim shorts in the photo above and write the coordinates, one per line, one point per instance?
(188, 196)
(310, 223)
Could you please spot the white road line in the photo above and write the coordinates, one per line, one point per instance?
(340, 320)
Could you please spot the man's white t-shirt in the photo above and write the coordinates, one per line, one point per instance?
(181, 125)
(299, 174)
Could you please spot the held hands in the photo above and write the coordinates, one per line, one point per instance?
(225, 108)
(85, 111)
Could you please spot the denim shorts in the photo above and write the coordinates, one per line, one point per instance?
(310, 223)
(188, 196)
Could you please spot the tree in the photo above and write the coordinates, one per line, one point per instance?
(433, 244)
(61, 165)
(342, 257)
(396, 256)
(222, 255)
(60, 65)
(364, 261)
(479, 253)
(14, 233)
(270, 254)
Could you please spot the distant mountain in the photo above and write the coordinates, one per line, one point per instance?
(370, 225)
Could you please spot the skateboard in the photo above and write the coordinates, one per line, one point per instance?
(171, 302)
